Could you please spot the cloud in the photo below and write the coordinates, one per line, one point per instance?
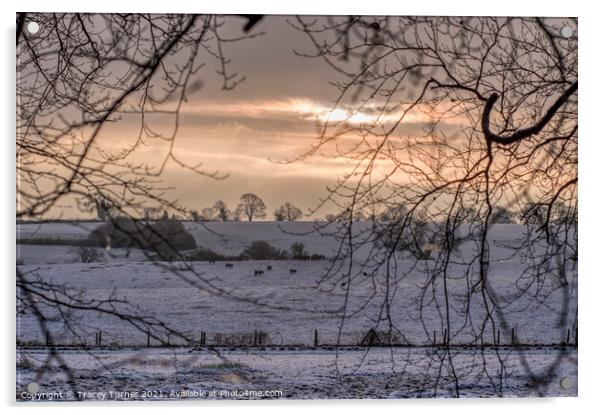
(309, 110)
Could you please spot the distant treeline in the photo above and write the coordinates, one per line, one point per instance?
(68, 221)
(168, 240)
(53, 240)
(258, 250)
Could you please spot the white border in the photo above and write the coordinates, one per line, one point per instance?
(590, 157)
(431, 7)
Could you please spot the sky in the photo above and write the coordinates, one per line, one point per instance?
(252, 137)
(251, 133)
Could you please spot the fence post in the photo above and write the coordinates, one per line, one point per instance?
(47, 338)
(315, 337)
(498, 338)
(147, 338)
(255, 338)
(434, 337)
(512, 337)
(568, 335)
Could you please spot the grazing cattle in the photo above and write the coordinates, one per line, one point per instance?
(258, 272)
(228, 265)
(212, 261)
(292, 271)
(269, 267)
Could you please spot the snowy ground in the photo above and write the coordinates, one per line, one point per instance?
(231, 303)
(292, 373)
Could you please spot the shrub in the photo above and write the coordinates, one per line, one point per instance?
(165, 237)
(501, 215)
(223, 365)
(298, 251)
(258, 338)
(203, 254)
(171, 232)
(42, 240)
(263, 250)
(378, 338)
(417, 235)
(87, 255)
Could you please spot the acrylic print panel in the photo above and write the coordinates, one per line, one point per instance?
(295, 207)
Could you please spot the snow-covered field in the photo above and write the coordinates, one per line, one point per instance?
(230, 303)
(293, 373)
(228, 238)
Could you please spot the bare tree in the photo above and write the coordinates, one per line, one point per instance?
(151, 213)
(208, 214)
(279, 215)
(288, 211)
(298, 251)
(195, 216)
(493, 103)
(454, 119)
(79, 74)
(222, 211)
(251, 206)
(103, 208)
